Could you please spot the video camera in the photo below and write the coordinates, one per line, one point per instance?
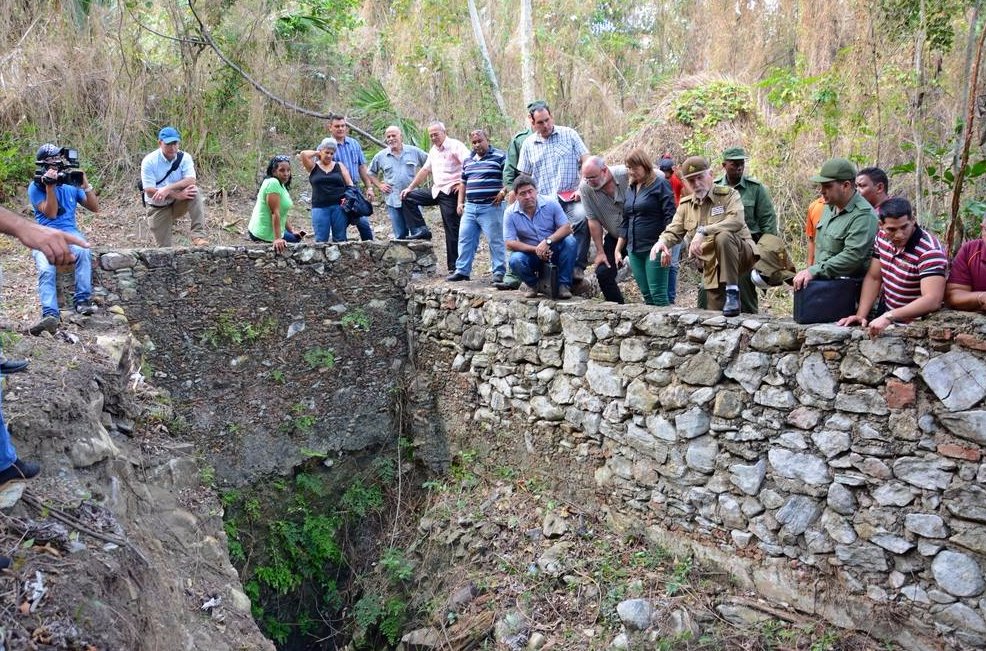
(68, 169)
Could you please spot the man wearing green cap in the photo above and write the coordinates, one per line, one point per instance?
(712, 215)
(758, 210)
(847, 231)
(510, 172)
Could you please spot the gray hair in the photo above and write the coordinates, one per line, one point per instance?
(327, 143)
(438, 124)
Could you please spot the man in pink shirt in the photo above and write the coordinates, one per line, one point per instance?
(445, 166)
(966, 287)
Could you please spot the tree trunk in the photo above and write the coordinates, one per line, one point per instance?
(917, 117)
(477, 30)
(526, 65)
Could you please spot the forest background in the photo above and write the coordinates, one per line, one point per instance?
(892, 83)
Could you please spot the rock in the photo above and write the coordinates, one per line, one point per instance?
(968, 625)
(925, 524)
(536, 642)
(526, 333)
(743, 616)
(776, 397)
(10, 493)
(893, 493)
(861, 401)
(838, 528)
(749, 369)
(865, 556)
(462, 597)
(604, 379)
(958, 378)
(682, 626)
(620, 643)
(89, 451)
(805, 467)
(856, 368)
(730, 512)
(826, 333)
(815, 378)
(969, 536)
(728, 404)
(970, 425)
(238, 600)
(635, 614)
(660, 427)
(885, 349)
(112, 261)
(967, 502)
(701, 369)
(694, 422)
(554, 561)
(804, 418)
(575, 360)
(748, 478)
(891, 543)
(841, 500)
(916, 593)
(958, 574)
(554, 526)
(923, 473)
(639, 397)
(545, 408)
(798, 513)
(474, 337)
(831, 443)
(634, 349)
(701, 454)
(775, 338)
(577, 330)
(510, 630)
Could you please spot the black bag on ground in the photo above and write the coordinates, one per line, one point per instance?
(548, 282)
(355, 205)
(826, 300)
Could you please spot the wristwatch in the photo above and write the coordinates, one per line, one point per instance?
(701, 230)
(548, 240)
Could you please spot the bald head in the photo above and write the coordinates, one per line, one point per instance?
(394, 137)
(596, 174)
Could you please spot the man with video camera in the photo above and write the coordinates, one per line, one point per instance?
(57, 189)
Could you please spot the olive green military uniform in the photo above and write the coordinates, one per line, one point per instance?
(728, 250)
(844, 243)
(510, 172)
(761, 219)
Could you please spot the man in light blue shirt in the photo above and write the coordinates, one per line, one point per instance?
(398, 164)
(536, 230)
(350, 153)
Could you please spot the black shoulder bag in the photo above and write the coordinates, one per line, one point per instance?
(140, 181)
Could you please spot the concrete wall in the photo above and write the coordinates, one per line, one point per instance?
(834, 473)
(267, 356)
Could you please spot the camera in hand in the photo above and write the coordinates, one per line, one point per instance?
(68, 169)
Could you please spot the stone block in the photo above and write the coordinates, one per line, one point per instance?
(958, 378)
(969, 425)
(701, 369)
(815, 378)
(604, 379)
(958, 574)
(899, 394)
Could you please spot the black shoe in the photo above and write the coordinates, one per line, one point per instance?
(5, 562)
(85, 308)
(455, 277)
(497, 279)
(46, 324)
(732, 306)
(9, 366)
(19, 470)
(423, 234)
(506, 286)
(564, 292)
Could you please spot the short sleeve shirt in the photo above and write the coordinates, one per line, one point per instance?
(548, 218)
(902, 271)
(398, 170)
(601, 207)
(155, 165)
(969, 266)
(68, 197)
(554, 162)
(350, 154)
(261, 224)
(445, 165)
(484, 176)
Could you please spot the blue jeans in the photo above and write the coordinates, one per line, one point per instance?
(489, 219)
(47, 273)
(673, 273)
(527, 266)
(364, 229)
(330, 221)
(397, 222)
(8, 455)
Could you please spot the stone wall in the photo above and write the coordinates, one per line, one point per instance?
(268, 357)
(837, 474)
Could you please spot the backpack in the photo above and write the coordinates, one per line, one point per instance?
(140, 182)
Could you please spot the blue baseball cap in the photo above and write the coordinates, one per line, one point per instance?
(168, 135)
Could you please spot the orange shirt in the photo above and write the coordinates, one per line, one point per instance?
(815, 211)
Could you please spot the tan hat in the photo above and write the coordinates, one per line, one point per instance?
(693, 166)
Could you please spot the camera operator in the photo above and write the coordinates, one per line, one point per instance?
(54, 197)
(167, 178)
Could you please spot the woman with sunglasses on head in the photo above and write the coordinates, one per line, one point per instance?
(269, 222)
(329, 181)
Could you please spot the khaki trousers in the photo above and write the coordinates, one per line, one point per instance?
(162, 219)
(726, 256)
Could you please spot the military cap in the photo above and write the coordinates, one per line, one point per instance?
(835, 169)
(537, 105)
(734, 153)
(693, 166)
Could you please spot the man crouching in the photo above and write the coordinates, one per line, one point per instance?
(536, 230)
(713, 216)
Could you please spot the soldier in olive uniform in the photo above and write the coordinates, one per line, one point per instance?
(713, 217)
(758, 210)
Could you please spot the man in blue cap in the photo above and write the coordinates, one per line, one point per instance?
(168, 179)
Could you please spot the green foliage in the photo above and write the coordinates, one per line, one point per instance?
(358, 319)
(679, 577)
(704, 107)
(228, 330)
(300, 420)
(16, 166)
(332, 17)
(361, 499)
(386, 615)
(396, 565)
(278, 376)
(323, 358)
(372, 102)
(207, 475)
(904, 17)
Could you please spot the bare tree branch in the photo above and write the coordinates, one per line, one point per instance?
(207, 37)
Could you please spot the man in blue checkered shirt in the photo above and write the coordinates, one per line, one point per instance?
(350, 153)
(553, 156)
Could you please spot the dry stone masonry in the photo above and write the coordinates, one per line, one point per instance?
(837, 474)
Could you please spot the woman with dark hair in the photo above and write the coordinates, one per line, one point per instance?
(329, 181)
(648, 208)
(273, 204)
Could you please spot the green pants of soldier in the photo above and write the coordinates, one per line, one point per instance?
(749, 301)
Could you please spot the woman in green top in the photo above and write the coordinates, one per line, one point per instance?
(273, 204)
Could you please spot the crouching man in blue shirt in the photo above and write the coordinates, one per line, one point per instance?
(536, 230)
(54, 201)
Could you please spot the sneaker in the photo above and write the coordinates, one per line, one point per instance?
(423, 234)
(564, 292)
(47, 324)
(456, 277)
(732, 306)
(19, 470)
(8, 366)
(530, 292)
(497, 279)
(85, 307)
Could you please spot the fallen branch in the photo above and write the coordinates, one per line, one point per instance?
(207, 37)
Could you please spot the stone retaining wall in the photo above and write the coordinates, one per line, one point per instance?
(837, 474)
(271, 357)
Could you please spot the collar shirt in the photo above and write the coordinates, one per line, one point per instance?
(483, 176)
(68, 197)
(445, 164)
(398, 170)
(844, 243)
(520, 227)
(554, 161)
(155, 166)
(901, 271)
(720, 211)
(350, 153)
(757, 206)
(969, 266)
(607, 210)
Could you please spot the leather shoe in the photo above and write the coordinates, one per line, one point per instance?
(423, 234)
(19, 470)
(530, 292)
(497, 279)
(505, 286)
(732, 305)
(5, 562)
(455, 277)
(564, 292)
(9, 366)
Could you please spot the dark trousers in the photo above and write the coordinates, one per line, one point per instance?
(607, 275)
(580, 229)
(450, 218)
